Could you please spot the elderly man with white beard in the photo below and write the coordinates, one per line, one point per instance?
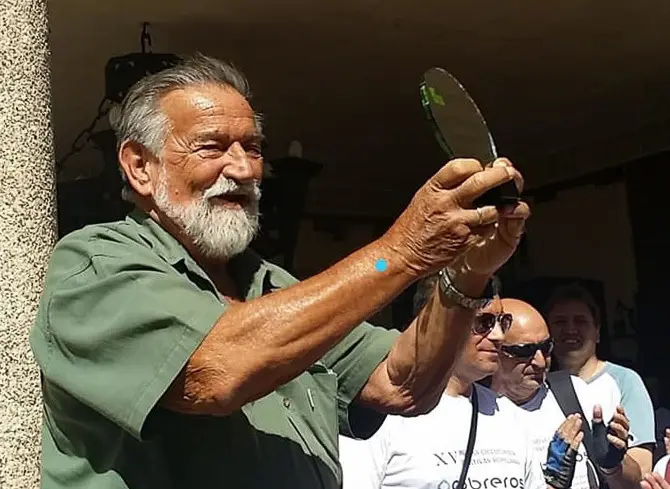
(174, 357)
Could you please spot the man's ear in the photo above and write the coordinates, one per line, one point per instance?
(135, 162)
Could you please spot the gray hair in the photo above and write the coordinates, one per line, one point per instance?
(140, 119)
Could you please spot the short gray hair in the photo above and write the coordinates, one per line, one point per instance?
(140, 119)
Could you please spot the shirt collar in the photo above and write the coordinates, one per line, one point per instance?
(248, 270)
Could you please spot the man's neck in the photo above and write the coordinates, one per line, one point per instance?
(517, 397)
(577, 365)
(459, 385)
(224, 283)
(584, 370)
(216, 270)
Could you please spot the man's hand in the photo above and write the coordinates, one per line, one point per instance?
(610, 442)
(562, 453)
(654, 481)
(497, 242)
(440, 225)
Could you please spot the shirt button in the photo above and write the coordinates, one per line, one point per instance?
(287, 402)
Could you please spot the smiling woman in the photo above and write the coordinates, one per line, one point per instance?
(574, 321)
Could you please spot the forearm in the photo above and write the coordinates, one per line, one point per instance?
(420, 361)
(259, 345)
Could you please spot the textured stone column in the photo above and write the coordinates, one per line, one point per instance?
(27, 228)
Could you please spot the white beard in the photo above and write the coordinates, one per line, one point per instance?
(218, 232)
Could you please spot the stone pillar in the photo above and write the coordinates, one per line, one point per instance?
(27, 228)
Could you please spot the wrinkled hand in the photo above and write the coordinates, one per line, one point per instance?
(654, 481)
(440, 225)
(498, 241)
(562, 453)
(610, 442)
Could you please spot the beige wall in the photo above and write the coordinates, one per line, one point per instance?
(317, 250)
(586, 232)
(582, 232)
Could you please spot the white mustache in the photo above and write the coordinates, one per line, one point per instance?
(226, 186)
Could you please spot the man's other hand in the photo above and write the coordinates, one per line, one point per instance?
(562, 453)
(441, 224)
(611, 441)
(654, 481)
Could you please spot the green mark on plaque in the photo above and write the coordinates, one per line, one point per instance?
(437, 98)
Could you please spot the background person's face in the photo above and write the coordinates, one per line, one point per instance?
(480, 356)
(574, 329)
(525, 375)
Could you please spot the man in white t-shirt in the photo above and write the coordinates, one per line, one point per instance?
(428, 451)
(524, 362)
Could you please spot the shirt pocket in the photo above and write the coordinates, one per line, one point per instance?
(321, 393)
(313, 412)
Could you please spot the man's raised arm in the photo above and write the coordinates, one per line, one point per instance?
(259, 345)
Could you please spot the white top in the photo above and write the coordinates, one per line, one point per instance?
(662, 465)
(615, 385)
(427, 451)
(545, 416)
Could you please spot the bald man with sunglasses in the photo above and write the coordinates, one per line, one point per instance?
(525, 359)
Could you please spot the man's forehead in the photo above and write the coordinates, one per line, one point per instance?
(524, 330)
(193, 103)
(201, 101)
(204, 132)
(528, 325)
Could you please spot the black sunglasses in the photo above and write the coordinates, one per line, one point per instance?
(486, 321)
(528, 350)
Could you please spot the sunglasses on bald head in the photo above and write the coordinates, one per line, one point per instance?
(527, 350)
(486, 321)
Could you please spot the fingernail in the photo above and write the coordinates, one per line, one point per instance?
(510, 172)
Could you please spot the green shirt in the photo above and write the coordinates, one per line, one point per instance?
(124, 307)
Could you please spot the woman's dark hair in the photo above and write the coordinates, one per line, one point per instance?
(573, 292)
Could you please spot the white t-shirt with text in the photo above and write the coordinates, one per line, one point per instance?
(545, 416)
(427, 451)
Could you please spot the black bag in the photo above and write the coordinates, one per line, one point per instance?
(561, 386)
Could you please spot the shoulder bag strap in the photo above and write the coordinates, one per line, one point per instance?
(561, 386)
(471, 439)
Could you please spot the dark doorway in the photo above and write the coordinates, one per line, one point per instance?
(647, 185)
